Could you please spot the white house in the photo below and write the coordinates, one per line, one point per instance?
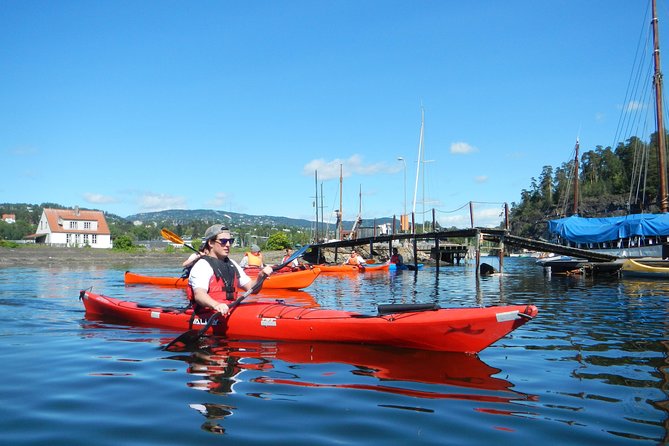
(73, 227)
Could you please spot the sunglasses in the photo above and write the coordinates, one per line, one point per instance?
(225, 241)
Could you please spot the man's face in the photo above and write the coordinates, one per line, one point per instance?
(222, 244)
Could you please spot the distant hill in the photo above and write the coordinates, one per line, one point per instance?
(183, 216)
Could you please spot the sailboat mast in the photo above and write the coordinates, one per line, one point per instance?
(420, 147)
(316, 185)
(576, 180)
(341, 210)
(657, 81)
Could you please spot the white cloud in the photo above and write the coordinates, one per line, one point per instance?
(481, 179)
(328, 170)
(462, 148)
(99, 198)
(219, 200)
(160, 202)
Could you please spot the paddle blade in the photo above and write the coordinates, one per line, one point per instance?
(184, 341)
(171, 236)
(187, 339)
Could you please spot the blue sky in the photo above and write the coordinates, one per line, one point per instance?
(130, 106)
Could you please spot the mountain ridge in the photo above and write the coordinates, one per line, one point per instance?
(184, 216)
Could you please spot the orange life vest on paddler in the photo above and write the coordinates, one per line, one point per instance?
(254, 260)
(352, 261)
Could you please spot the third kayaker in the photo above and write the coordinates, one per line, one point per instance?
(396, 258)
(215, 277)
(294, 263)
(355, 259)
(253, 258)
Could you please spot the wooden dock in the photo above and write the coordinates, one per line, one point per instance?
(438, 242)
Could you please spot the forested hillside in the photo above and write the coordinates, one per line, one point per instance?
(610, 182)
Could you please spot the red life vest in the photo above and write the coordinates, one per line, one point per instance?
(219, 289)
(352, 261)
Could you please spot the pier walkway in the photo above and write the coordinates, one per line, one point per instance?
(500, 236)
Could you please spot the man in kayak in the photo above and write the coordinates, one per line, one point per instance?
(215, 277)
(355, 259)
(396, 258)
(294, 263)
(253, 258)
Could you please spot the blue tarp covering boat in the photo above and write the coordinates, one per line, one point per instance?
(598, 230)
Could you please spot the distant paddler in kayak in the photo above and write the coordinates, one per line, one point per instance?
(397, 258)
(253, 258)
(355, 259)
(215, 277)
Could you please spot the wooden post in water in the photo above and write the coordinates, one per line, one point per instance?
(415, 245)
(478, 251)
(436, 239)
(436, 244)
(501, 254)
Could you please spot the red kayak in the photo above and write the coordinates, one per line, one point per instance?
(291, 280)
(467, 330)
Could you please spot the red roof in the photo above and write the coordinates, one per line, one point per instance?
(53, 215)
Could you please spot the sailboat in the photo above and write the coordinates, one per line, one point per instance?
(634, 235)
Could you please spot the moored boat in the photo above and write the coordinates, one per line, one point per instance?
(637, 268)
(467, 330)
(293, 280)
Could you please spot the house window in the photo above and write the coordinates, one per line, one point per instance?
(94, 239)
(68, 238)
(73, 225)
(87, 225)
(85, 239)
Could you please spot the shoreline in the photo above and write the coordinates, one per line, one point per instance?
(53, 256)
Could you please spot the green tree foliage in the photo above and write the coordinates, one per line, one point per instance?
(611, 182)
(123, 243)
(278, 240)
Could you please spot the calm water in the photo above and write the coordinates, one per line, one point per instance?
(590, 369)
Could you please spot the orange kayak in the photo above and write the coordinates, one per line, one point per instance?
(293, 280)
(353, 268)
(325, 268)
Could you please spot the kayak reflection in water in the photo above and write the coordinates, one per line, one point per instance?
(222, 363)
